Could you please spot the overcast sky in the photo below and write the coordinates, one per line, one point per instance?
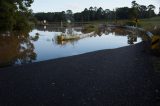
(79, 5)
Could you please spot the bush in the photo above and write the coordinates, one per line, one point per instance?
(89, 28)
(155, 31)
(132, 23)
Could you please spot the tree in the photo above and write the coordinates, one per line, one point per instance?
(99, 13)
(134, 10)
(151, 9)
(122, 13)
(91, 13)
(52, 16)
(86, 14)
(14, 14)
(15, 50)
(69, 15)
(142, 11)
(133, 13)
(95, 8)
(134, 4)
(91, 9)
(106, 14)
(78, 17)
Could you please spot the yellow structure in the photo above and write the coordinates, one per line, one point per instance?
(155, 43)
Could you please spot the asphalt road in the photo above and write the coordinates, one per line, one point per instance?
(116, 77)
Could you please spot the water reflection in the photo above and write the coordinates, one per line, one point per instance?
(41, 44)
(131, 35)
(51, 28)
(16, 49)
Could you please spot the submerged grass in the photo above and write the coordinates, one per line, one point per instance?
(68, 37)
(62, 40)
(90, 28)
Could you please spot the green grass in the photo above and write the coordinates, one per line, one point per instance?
(150, 23)
(157, 18)
(153, 25)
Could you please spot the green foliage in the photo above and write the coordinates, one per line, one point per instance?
(95, 13)
(52, 16)
(12, 50)
(122, 13)
(35, 38)
(7, 18)
(89, 28)
(133, 13)
(155, 31)
(151, 24)
(132, 23)
(14, 14)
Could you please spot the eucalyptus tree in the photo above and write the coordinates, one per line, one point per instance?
(142, 11)
(134, 10)
(151, 9)
(134, 4)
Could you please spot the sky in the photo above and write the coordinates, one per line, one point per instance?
(80, 5)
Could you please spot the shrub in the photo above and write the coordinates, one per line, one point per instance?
(132, 23)
(89, 28)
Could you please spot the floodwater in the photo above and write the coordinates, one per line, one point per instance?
(41, 44)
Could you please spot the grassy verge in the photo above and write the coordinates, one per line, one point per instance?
(150, 24)
(153, 25)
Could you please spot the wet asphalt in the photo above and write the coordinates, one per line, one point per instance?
(115, 77)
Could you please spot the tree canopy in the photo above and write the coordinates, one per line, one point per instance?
(98, 13)
(14, 14)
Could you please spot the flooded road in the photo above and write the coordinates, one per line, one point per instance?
(41, 44)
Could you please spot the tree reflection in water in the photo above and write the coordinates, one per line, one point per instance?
(19, 48)
(16, 49)
(131, 35)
